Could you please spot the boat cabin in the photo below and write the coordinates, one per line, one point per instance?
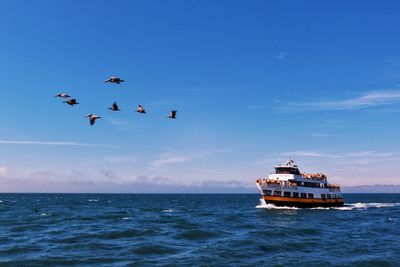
(287, 168)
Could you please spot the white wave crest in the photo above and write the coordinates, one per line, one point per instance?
(364, 206)
(264, 205)
(320, 208)
(168, 210)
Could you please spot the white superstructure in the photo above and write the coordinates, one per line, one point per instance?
(287, 186)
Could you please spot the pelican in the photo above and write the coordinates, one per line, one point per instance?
(114, 79)
(62, 95)
(140, 109)
(172, 114)
(92, 118)
(71, 102)
(114, 107)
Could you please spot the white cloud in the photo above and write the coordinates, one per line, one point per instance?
(281, 55)
(320, 135)
(367, 100)
(123, 124)
(121, 159)
(53, 143)
(140, 184)
(305, 153)
(174, 157)
(169, 158)
(256, 107)
(3, 171)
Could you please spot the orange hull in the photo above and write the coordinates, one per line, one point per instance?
(303, 202)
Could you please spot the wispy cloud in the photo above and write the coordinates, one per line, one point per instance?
(140, 184)
(320, 135)
(281, 55)
(53, 143)
(366, 100)
(315, 154)
(175, 157)
(255, 107)
(3, 171)
(169, 158)
(123, 124)
(121, 159)
(351, 158)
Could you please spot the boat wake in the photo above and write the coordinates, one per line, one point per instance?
(365, 206)
(264, 205)
(350, 206)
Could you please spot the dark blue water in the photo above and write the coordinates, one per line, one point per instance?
(199, 230)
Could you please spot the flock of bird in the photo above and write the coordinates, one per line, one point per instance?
(114, 107)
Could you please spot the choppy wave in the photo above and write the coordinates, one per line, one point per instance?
(168, 210)
(195, 230)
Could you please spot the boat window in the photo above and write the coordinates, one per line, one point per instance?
(267, 192)
(303, 195)
(334, 196)
(323, 196)
(328, 196)
(311, 184)
(287, 170)
(295, 194)
(286, 194)
(310, 195)
(277, 193)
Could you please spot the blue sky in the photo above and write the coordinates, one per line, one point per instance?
(254, 82)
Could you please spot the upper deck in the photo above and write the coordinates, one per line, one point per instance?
(288, 168)
(290, 171)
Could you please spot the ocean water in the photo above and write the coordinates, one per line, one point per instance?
(195, 230)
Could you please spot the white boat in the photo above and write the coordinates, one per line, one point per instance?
(288, 187)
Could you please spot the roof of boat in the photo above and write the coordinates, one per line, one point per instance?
(288, 164)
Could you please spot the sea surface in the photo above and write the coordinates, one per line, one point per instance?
(195, 230)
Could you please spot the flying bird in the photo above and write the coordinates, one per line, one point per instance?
(92, 118)
(114, 107)
(62, 95)
(71, 102)
(140, 109)
(172, 114)
(114, 79)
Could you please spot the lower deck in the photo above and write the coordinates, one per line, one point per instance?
(303, 202)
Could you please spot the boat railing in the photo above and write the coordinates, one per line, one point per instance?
(290, 187)
(277, 184)
(334, 187)
(314, 176)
